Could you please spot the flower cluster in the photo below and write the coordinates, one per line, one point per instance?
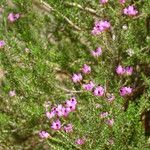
(60, 110)
(124, 70)
(100, 26)
(56, 113)
(130, 11)
(97, 91)
(12, 17)
(77, 77)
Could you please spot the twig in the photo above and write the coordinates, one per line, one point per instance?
(90, 10)
(49, 8)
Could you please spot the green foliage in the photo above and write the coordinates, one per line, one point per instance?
(43, 49)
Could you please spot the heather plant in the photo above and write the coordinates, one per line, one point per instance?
(74, 74)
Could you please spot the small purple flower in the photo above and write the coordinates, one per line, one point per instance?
(129, 70)
(110, 122)
(130, 11)
(99, 91)
(71, 105)
(80, 141)
(86, 69)
(103, 1)
(103, 115)
(68, 128)
(89, 86)
(12, 17)
(66, 111)
(59, 110)
(120, 70)
(2, 43)
(12, 93)
(125, 91)
(76, 77)
(44, 134)
(97, 52)
(73, 101)
(122, 1)
(51, 114)
(100, 26)
(56, 125)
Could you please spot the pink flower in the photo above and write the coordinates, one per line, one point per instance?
(56, 125)
(122, 1)
(120, 70)
(96, 53)
(51, 114)
(80, 141)
(99, 91)
(125, 91)
(86, 69)
(77, 77)
(66, 111)
(129, 70)
(71, 104)
(130, 11)
(103, 115)
(44, 134)
(103, 1)
(60, 110)
(68, 128)
(12, 93)
(2, 43)
(12, 17)
(110, 122)
(73, 100)
(100, 26)
(89, 86)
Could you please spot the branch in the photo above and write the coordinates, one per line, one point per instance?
(49, 8)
